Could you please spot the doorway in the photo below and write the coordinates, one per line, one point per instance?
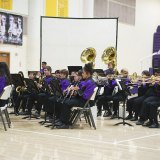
(5, 57)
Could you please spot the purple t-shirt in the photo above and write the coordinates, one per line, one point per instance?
(87, 87)
(64, 83)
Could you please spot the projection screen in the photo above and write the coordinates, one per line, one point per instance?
(64, 39)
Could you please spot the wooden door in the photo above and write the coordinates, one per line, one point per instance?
(5, 57)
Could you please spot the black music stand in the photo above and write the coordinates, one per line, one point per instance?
(122, 91)
(100, 72)
(31, 87)
(55, 85)
(74, 69)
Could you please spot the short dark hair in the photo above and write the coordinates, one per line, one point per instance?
(44, 63)
(21, 73)
(48, 68)
(65, 72)
(80, 73)
(30, 72)
(146, 73)
(88, 68)
(57, 71)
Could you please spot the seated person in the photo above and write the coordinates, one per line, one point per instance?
(56, 101)
(44, 94)
(103, 99)
(64, 82)
(118, 96)
(5, 79)
(23, 96)
(44, 64)
(142, 89)
(85, 91)
(149, 107)
(110, 69)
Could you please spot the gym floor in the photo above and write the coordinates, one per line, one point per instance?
(27, 139)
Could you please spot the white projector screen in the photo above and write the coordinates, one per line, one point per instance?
(64, 39)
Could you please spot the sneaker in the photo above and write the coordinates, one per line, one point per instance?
(129, 117)
(154, 125)
(99, 113)
(114, 116)
(140, 122)
(37, 115)
(107, 114)
(134, 119)
(147, 124)
(63, 127)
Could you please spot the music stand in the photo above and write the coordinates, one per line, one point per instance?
(74, 69)
(122, 90)
(99, 72)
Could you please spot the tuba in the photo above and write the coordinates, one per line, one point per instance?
(88, 55)
(110, 56)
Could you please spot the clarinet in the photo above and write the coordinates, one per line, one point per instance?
(73, 91)
(67, 93)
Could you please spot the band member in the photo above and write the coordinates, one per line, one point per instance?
(57, 73)
(22, 98)
(118, 96)
(149, 112)
(22, 74)
(42, 97)
(31, 75)
(107, 96)
(64, 82)
(44, 64)
(110, 69)
(85, 89)
(146, 111)
(56, 101)
(5, 79)
(153, 120)
(52, 101)
(142, 89)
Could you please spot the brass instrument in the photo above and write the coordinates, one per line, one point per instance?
(134, 77)
(18, 89)
(88, 55)
(21, 89)
(110, 56)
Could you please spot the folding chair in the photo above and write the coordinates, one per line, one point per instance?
(86, 110)
(5, 96)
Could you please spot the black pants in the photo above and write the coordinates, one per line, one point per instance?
(53, 106)
(137, 105)
(103, 101)
(149, 108)
(2, 103)
(116, 99)
(31, 101)
(130, 105)
(20, 98)
(66, 108)
(153, 106)
(42, 99)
